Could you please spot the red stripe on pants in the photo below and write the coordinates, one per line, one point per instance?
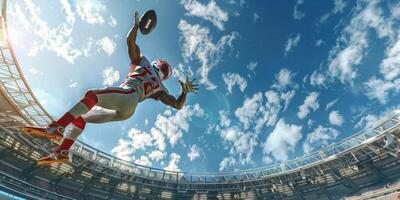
(79, 123)
(116, 91)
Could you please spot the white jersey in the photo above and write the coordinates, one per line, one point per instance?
(145, 79)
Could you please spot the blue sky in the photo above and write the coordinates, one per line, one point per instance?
(279, 79)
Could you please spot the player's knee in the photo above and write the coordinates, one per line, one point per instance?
(91, 97)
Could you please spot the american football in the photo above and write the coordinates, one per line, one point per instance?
(148, 22)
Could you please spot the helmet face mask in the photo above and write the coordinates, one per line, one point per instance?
(163, 68)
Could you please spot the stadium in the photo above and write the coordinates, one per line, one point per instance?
(362, 166)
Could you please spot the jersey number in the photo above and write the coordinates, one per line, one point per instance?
(150, 86)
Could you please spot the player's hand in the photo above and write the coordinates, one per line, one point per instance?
(189, 86)
(136, 19)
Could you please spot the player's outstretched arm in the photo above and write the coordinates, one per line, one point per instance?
(133, 48)
(186, 87)
(170, 100)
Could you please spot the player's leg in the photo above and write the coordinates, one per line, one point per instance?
(60, 153)
(114, 104)
(55, 130)
(95, 115)
(114, 98)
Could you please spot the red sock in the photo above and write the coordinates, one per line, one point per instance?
(65, 120)
(66, 144)
(89, 101)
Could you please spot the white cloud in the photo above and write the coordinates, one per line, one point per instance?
(210, 12)
(284, 78)
(143, 160)
(224, 119)
(310, 123)
(241, 144)
(292, 43)
(335, 118)
(232, 79)
(57, 39)
(226, 163)
(379, 89)
(256, 114)
(310, 103)
(159, 138)
(390, 66)
(173, 126)
(317, 79)
(194, 153)
(173, 163)
(72, 84)
(91, 11)
(247, 113)
(107, 45)
(256, 17)
(252, 65)
(112, 22)
(298, 14)
(332, 103)
(197, 45)
(287, 97)
(282, 140)
(137, 140)
(157, 155)
(168, 125)
(319, 43)
(123, 150)
(269, 113)
(351, 45)
(110, 76)
(320, 137)
(339, 6)
(366, 121)
(88, 48)
(253, 115)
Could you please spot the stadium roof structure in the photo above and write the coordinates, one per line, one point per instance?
(365, 159)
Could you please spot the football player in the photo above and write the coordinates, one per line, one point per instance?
(144, 81)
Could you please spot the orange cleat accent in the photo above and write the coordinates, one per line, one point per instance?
(52, 132)
(57, 157)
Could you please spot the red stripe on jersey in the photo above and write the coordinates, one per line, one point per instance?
(116, 91)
